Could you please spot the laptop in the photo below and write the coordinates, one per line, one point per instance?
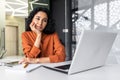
(91, 52)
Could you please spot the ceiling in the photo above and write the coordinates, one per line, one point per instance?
(20, 7)
(16, 7)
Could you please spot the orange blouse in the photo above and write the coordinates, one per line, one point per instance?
(50, 46)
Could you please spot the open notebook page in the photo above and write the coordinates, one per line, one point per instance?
(20, 68)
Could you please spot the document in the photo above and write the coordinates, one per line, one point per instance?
(10, 60)
(20, 68)
(31, 67)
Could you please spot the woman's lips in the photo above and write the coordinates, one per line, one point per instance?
(40, 27)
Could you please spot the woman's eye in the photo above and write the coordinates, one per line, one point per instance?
(38, 18)
(45, 20)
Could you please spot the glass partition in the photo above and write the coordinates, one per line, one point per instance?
(97, 15)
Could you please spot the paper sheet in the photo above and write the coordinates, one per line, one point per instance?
(20, 68)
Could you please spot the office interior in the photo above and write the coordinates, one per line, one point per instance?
(71, 16)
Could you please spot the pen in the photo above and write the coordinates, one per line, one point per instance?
(25, 65)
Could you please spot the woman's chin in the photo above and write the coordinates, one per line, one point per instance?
(39, 29)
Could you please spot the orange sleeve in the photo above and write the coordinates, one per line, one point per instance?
(59, 51)
(28, 47)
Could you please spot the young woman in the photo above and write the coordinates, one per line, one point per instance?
(40, 42)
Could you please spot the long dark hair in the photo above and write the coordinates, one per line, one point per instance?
(50, 27)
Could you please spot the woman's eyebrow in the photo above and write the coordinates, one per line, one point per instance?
(39, 17)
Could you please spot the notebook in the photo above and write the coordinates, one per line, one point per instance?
(91, 52)
(20, 68)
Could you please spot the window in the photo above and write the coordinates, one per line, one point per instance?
(97, 15)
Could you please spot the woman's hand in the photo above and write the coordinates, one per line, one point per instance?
(33, 28)
(35, 60)
(28, 60)
(39, 34)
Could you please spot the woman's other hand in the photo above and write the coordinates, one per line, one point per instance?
(28, 60)
(35, 60)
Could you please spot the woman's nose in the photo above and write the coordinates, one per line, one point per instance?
(40, 22)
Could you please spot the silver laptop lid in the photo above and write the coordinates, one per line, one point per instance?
(92, 50)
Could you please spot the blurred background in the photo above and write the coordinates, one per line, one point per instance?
(71, 16)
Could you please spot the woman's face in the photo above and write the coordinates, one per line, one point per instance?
(40, 19)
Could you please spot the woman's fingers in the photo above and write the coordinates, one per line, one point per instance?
(24, 60)
(33, 28)
(21, 61)
(30, 60)
(32, 25)
(27, 60)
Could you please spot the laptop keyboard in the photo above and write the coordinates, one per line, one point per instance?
(64, 67)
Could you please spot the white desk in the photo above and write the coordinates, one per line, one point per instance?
(108, 72)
